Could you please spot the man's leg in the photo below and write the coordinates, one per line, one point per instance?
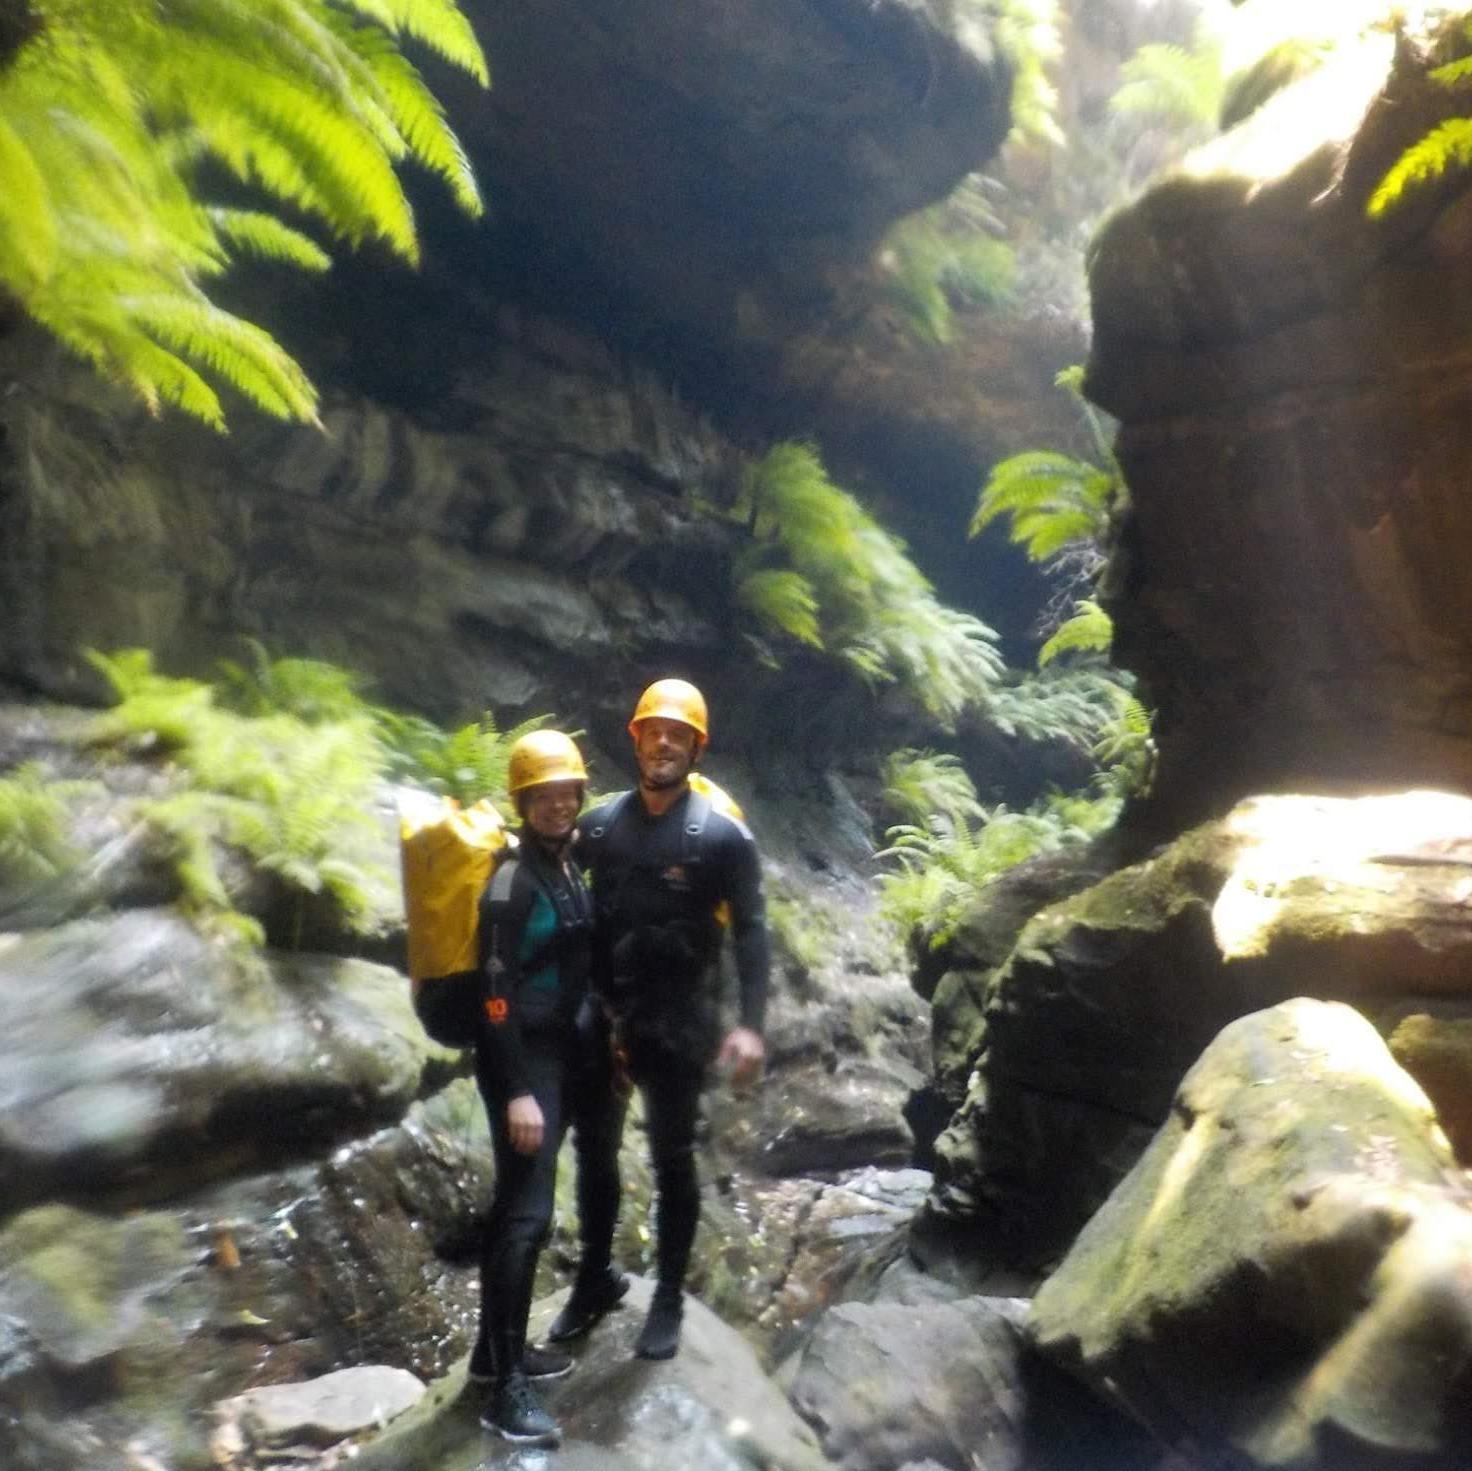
(597, 1114)
(671, 1091)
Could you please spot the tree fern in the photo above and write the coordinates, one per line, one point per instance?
(107, 110)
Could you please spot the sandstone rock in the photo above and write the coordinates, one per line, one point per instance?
(132, 1040)
(1290, 575)
(1109, 997)
(711, 1406)
(1285, 1271)
(887, 1384)
(296, 1422)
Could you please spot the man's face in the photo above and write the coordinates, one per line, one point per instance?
(552, 808)
(665, 751)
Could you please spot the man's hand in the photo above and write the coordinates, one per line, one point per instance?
(741, 1055)
(524, 1123)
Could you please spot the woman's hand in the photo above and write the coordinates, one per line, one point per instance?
(524, 1123)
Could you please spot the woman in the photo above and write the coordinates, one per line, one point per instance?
(535, 936)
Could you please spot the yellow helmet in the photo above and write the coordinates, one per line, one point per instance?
(672, 699)
(542, 756)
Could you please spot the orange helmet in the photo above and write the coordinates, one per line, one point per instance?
(672, 699)
(542, 756)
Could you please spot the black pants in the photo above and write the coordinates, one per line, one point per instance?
(571, 1089)
(670, 1086)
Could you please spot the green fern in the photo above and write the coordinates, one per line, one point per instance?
(919, 785)
(940, 866)
(934, 261)
(1168, 84)
(34, 811)
(1027, 34)
(311, 689)
(1053, 501)
(1447, 146)
(468, 763)
(107, 113)
(874, 610)
(1253, 86)
(1089, 630)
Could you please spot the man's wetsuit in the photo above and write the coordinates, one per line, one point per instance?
(657, 888)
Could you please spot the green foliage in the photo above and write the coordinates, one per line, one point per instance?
(109, 110)
(919, 784)
(799, 938)
(873, 608)
(1053, 500)
(1090, 630)
(1026, 31)
(33, 818)
(937, 260)
(287, 792)
(467, 763)
(310, 689)
(941, 865)
(1446, 146)
(1169, 84)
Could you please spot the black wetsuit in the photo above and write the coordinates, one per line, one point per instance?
(658, 889)
(535, 936)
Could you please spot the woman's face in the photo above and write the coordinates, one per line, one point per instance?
(551, 809)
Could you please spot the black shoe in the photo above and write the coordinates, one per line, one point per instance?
(660, 1336)
(515, 1415)
(587, 1304)
(545, 1363)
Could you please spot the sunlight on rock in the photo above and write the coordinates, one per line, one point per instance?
(1292, 843)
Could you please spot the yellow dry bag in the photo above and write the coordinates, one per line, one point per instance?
(447, 853)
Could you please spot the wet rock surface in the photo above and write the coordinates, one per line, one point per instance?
(1285, 1271)
(891, 1384)
(1108, 997)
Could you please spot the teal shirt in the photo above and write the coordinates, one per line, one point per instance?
(541, 922)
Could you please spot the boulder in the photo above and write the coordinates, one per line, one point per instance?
(709, 1407)
(285, 1423)
(1285, 1273)
(131, 1040)
(890, 1384)
(1108, 997)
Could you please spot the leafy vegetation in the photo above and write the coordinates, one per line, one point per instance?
(1055, 503)
(466, 763)
(1445, 147)
(288, 792)
(33, 819)
(919, 784)
(944, 863)
(1180, 88)
(820, 571)
(288, 776)
(111, 111)
(1026, 31)
(938, 259)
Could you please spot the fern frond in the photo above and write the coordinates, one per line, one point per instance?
(253, 232)
(1446, 146)
(1090, 630)
(784, 601)
(1171, 84)
(438, 24)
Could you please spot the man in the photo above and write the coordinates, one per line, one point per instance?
(668, 872)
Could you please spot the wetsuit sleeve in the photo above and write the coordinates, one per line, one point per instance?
(748, 925)
(502, 923)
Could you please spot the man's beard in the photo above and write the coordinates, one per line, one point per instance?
(664, 783)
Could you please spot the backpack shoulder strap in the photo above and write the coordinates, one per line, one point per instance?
(613, 810)
(697, 814)
(504, 877)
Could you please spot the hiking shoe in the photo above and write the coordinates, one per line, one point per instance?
(660, 1336)
(516, 1416)
(545, 1363)
(587, 1304)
